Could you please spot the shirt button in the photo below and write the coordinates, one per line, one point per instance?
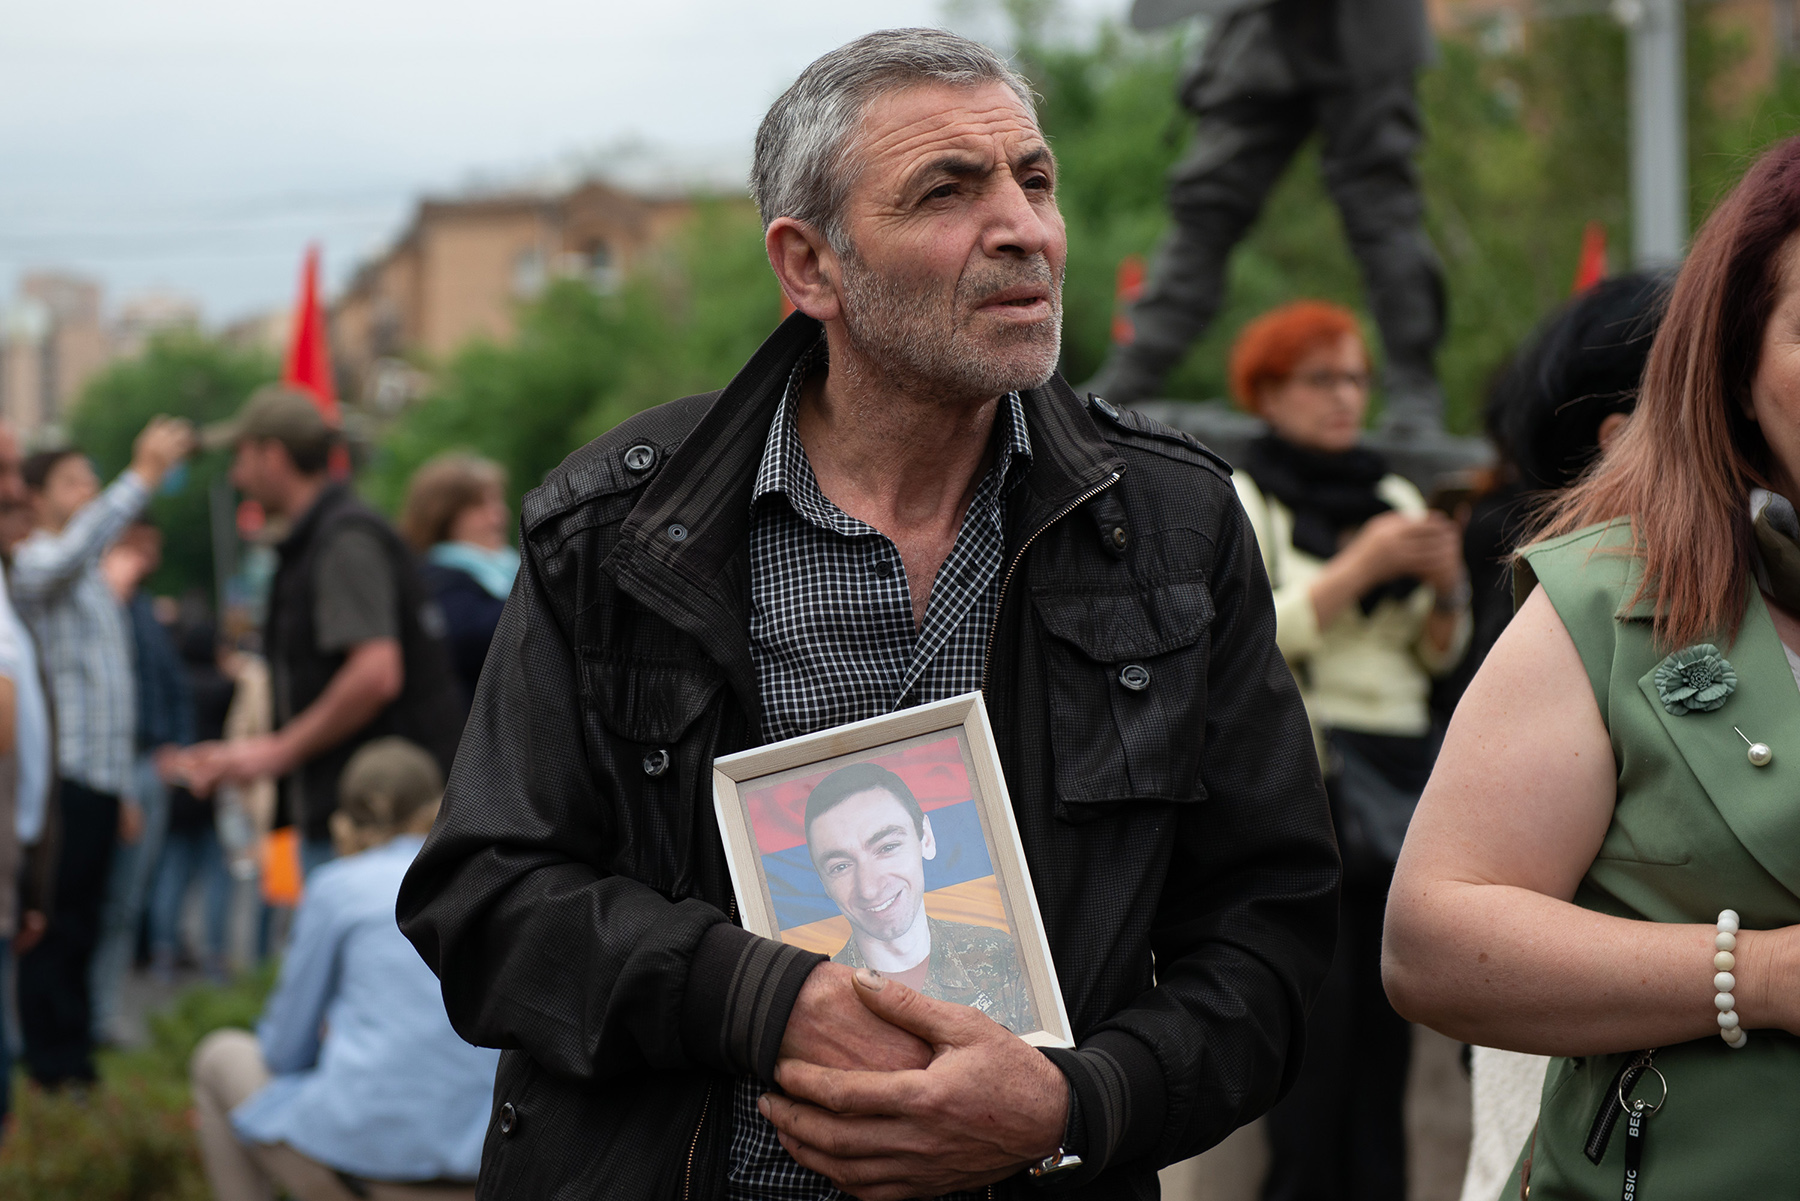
(656, 762)
(1135, 676)
(640, 457)
(884, 568)
(677, 532)
(508, 1118)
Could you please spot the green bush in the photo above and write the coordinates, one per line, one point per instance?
(132, 1137)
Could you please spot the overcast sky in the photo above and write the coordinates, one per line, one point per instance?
(197, 145)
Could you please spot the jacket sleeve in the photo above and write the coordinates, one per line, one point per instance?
(538, 945)
(1247, 920)
(46, 563)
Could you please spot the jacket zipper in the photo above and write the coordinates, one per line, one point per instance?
(687, 1179)
(987, 658)
(1600, 1134)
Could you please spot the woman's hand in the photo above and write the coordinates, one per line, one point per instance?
(1425, 546)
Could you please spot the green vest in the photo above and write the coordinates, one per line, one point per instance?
(1696, 828)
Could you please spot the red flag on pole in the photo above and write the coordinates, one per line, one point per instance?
(308, 365)
(309, 354)
(1591, 268)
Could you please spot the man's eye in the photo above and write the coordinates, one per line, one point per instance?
(888, 848)
(942, 192)
(1038, 183)
(837, 869)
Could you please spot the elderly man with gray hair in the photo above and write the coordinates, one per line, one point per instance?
(895, 501)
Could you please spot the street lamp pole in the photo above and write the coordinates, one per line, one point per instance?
(1659, 179)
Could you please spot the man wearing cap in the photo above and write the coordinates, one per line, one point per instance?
(86, 651)
(354, 653)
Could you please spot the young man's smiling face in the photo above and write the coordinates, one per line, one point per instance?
(871, 857)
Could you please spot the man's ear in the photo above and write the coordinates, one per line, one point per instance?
(927, 840)
(805, 265)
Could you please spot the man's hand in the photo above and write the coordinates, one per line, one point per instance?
(32, 924)
(206, 765)
(987, 1105)
(131, 821)
(162, 444)
(829, 1026)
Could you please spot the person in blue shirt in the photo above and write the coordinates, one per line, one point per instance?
(354, 1084)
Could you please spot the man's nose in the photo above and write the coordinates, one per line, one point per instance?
(1015, 225)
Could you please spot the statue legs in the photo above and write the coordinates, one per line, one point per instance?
(1239, 152)
(1369, 135)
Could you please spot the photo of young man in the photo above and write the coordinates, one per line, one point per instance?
(869, 838)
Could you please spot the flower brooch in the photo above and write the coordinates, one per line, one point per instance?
(1695, 680)
(1699, 680)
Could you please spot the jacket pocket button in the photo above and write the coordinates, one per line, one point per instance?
(656, 762)
(509, 1118)
(1135, 676)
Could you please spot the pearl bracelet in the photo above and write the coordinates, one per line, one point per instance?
(1725, 942)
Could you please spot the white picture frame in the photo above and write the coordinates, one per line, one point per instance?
(876, 854)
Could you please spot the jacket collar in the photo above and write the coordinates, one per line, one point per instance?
(683, 549)
(1756, 802)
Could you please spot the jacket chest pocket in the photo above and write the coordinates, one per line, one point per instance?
(650, 727)
(1127, 679)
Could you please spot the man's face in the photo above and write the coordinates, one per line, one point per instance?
(70, 485)
(256, 468)
(952, 276)
(872, 860)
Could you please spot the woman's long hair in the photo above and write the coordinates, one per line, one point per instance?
(1683, 468)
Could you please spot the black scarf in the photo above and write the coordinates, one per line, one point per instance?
(1328, 494)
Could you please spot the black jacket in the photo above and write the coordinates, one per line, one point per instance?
(428, 710)
(575, 904)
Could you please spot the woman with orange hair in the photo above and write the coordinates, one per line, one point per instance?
(1371, 601)
(1605, 868)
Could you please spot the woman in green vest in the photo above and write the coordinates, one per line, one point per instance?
(1605, 867)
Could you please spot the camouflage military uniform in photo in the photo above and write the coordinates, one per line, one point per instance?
(976, 966)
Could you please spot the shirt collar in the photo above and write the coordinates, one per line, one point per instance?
(786, 469)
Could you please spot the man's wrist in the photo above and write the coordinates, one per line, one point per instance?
(740, 991)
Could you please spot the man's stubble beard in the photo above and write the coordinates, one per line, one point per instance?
(926, 342)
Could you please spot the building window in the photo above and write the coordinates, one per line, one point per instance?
(602, 272)
(528, 272)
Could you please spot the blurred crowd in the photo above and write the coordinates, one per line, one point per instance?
(163, 780)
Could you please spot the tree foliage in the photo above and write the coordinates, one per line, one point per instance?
(581, 362)
(182, 374)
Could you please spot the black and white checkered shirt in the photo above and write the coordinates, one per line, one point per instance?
(833, 639)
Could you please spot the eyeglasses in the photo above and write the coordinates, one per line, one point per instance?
(1329, 381)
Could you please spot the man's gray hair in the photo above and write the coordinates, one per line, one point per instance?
(802, 168)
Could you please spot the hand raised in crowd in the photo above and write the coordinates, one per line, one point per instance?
(164, 442)
(830, 1026)
(985, 1104)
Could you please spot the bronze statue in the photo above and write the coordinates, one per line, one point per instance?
(1268, 74)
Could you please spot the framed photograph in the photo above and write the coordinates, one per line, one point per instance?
(890, 843)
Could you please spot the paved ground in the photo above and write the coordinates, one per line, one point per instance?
(1437, 1129)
